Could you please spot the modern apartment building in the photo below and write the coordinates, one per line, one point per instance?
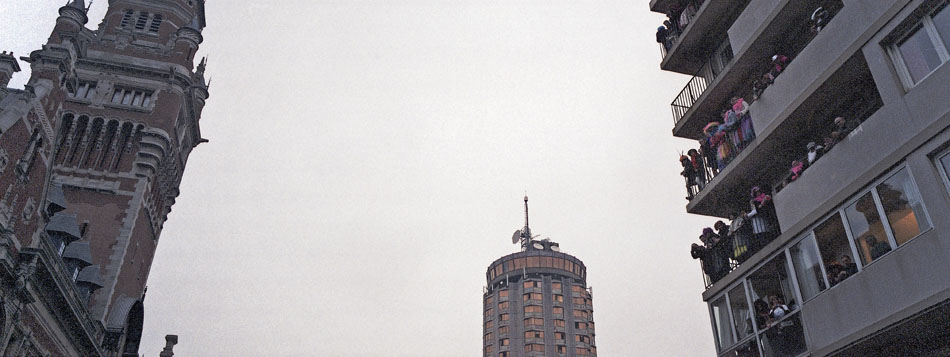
(537, 302)
(92, 151)
(838, 112)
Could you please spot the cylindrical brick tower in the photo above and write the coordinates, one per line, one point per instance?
(537, 303)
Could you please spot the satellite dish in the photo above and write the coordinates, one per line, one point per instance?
(555, 248)
(516, 237)
(537, 245)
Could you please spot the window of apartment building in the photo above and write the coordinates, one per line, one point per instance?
(534, 347)
(489, 349)
(532, 284)
(558, 298)
(503, 342)
(503, 354)
(557, 310)
(132, 97)
(488, 313)
(582, 338)
(489, 300)
(532, 296)
(503, 293)
(488, 337)
(489, 324)
(534, 321)
(558, 335)
(581, 351)
(559, 323)
(534, 334)
(561, 349)
(808, 268)
(720, 319)
(556, 286)
(580, 301)
(532, 308)
(835, 249)
(741, 312)
(580, 325)
(503, 305)
(925, 47)
(503, 317)
(770, 286)
(502, 330)
(580, 314)
(942, 160)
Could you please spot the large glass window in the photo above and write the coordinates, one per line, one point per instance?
(925, 48)
(941, 20)
(919, 54)
(944, 162)
(741, 314)
(784, 338)
(903, 207)
(771, 291)
(807, 264)
(746, 349)
(835, 249)
(720, 317)
(867, 229)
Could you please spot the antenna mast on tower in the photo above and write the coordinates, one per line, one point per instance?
(526, 232)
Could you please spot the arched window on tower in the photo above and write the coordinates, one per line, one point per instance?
(156, 23)
(127, 18)
(142, 21)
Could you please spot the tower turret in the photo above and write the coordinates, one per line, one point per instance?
(8, 66)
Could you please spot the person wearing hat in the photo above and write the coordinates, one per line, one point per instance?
(779, 62)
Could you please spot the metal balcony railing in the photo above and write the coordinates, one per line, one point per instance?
(688, 96)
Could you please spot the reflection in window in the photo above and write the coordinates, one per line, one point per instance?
(785, 338)
(867, 229)
(720, 315)
(835, 249)
(741, 314)
(903, 207)
(919, 54)
(805, 258)
(942, 24)
(771, 292)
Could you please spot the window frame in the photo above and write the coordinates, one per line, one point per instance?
(943, 53)
(944, 174)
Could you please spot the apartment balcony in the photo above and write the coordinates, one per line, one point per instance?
(689, 45)
(763, 29)
(798, 92)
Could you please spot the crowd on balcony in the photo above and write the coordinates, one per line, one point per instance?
(678, 16)
(840, 131)
(725, 246)
(721, 142)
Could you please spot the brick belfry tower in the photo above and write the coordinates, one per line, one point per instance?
(92, 152)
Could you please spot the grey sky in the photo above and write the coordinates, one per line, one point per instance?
(368, 160)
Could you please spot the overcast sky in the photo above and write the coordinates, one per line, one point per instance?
(368, 161)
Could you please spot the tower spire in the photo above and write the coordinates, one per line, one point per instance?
(526, 232)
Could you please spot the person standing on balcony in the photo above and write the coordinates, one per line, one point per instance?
(741, 108)
(761, 217)
(709, 156)
(698, 168)
(661, 37)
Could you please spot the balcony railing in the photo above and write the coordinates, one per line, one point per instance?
(747, 237)
(689, 95)
(676, 23)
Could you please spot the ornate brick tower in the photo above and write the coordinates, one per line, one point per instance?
(91, 157)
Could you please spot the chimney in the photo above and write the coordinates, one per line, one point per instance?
(170, 342)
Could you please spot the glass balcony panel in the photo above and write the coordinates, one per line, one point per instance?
(772, 292)
(720, 315)
(835, 250)
(741, 313)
